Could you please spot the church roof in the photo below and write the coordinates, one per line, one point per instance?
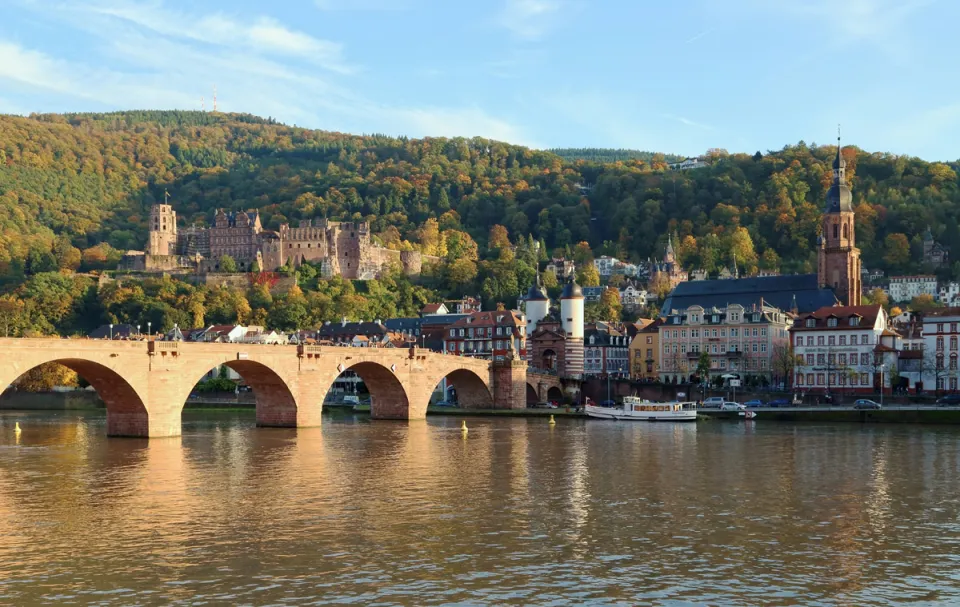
(839, 197)
(777, 291)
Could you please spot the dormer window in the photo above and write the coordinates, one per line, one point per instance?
(854, 321)
(832, 322)
(811, 323)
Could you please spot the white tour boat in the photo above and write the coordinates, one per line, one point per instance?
(640, 409)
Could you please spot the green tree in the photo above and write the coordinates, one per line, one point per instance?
(609, 304)
(227, 264)
(897, 248)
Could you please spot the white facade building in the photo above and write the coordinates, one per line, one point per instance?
(605, 265)
(905, 288)
(941, 333)
(845, 348)
(633, 298)
(949, 293)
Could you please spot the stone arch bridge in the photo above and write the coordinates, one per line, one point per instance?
(146, 383)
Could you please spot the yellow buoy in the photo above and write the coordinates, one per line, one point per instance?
(463, 426)
(552, 421)
(16, 428)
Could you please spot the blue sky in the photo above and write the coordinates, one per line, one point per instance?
(673, 76)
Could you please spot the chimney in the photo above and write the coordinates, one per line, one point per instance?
(343, 321)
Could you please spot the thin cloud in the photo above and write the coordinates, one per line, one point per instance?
(689, 122)
(363, 5)
(263, 34)
(530, 19)
(698, 36)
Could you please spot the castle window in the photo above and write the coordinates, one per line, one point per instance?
(846, 231)
(836, 230)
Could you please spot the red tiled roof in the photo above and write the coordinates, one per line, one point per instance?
(841, 313)
(431, 308)
(489, 319)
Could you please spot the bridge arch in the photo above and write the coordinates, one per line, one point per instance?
(532, 396)
(554, 393)
(275, 403)
(388, 396)
(127, 413)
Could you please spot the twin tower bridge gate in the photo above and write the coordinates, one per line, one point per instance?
(146, 383)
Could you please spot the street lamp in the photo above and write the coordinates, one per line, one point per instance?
(111, 331)
(148, 329)
(138, 330)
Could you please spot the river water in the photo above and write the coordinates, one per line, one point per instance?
(516, 513)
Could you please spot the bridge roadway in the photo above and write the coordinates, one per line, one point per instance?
(146, 383)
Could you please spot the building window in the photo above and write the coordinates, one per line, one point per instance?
(799, 340)
(853, 379)
(649, 339)
(799, 379)
(864, 359)
(940, 327)
(864, 339)
(854, 321)
(832, 340)
(953, 362)
(940, 344)
(810, 359)
(763, 346)
(820, 359)
(811, 323)
(810, 340)
(843, 359)
(843, 340)
(820, 340)
(939, 361)
(864, 379)
(831, 322)
(820, 377)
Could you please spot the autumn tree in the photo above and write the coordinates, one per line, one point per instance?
(897, 248)
(46, 377)
(499, 238)
(588, 275)
(609, 304)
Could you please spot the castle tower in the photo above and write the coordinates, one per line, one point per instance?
(163, 230)
(537, 307)
(571, 319)
(839, 258)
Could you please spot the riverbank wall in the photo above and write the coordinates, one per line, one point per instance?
(904, 415)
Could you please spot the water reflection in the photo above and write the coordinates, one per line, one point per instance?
(518, 512)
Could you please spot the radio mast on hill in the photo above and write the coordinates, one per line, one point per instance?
(214, 98)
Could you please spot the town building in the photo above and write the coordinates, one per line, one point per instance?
(633, 298)
(949, 294)
(345, 333)
(592, 294)
(689, 163)
(668, 270)
(905, 288)
(849, 348)
(340, 248)
(941, 333)
(562, 268)
(606, 352)
(645, 353)
(605, 265)
(934, 253)
(742, 341)
(838, 258)
(489, 335)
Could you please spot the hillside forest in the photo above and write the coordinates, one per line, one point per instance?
(75, 193)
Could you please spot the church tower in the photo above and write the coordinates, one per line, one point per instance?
(838, 257)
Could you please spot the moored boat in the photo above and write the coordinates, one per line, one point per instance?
(634, 408)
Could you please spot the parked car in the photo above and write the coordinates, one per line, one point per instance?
(950, 400)
(866, 403)
(753, 404)
(545, 406)
(779, 402)
(351, 399)
(713, 402)
(731, 406)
